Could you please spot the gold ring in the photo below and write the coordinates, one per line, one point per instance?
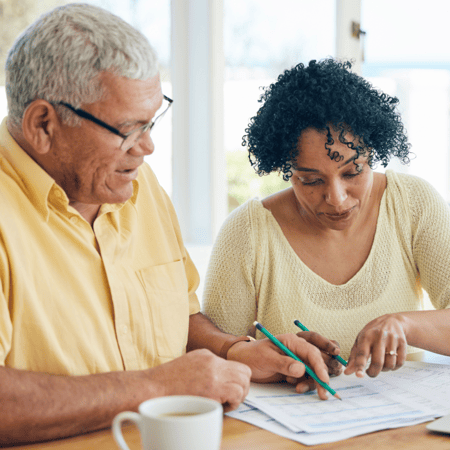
(392, 353)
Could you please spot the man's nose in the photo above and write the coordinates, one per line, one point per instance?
(144, 146)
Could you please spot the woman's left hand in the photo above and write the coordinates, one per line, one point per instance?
(328, 349)
(383, 340)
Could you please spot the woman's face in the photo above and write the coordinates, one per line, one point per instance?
(331, 193)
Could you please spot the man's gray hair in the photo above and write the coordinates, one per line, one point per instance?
(60, 56)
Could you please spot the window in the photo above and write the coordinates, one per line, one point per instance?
(260, 42)
(406, 55)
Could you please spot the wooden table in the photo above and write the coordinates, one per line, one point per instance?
(239, 435)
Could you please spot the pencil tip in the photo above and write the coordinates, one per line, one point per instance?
(337, 396)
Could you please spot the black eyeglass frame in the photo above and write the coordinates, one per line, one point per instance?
(144, 128)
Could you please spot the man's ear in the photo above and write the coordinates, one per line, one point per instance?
(39, 124)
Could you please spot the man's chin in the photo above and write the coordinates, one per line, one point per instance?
(118, 197)
(116, 193)
(107, 197)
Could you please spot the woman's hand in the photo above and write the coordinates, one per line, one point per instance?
(384, 341)
(328, 348)
(269, 364)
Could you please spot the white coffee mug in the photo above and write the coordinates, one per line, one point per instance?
(178, 422)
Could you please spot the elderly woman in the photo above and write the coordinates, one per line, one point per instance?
(345, 250)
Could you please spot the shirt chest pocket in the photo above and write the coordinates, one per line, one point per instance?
(166, 290)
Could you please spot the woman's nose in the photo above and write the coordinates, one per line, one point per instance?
(336, 194)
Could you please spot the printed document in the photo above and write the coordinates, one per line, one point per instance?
(416, 393)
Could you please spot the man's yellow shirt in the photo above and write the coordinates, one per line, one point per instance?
(80, 300)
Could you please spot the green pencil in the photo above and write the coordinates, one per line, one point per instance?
(282, 347)
(341, 360)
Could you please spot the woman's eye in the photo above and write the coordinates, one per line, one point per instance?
(311, 182)
(352, 175)
(318, 181)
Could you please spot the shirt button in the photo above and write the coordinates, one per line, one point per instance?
(124, 329)
(74, 219)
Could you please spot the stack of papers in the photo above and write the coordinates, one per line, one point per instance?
(416, 393)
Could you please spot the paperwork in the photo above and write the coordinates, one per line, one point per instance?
(416, 393)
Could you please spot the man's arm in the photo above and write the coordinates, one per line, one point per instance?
(37, 406)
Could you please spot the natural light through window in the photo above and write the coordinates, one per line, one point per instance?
(258, 47)
(406, 55)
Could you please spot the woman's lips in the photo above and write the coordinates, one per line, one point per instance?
(339, 216)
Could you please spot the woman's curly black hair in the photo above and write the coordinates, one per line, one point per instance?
(321, 95)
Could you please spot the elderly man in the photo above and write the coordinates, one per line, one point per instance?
(98, 310)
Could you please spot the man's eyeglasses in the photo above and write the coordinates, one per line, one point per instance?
(130, 138)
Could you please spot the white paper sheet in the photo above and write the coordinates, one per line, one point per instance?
(256, 417)
(364, 401)
(428, 380)
(416, 393)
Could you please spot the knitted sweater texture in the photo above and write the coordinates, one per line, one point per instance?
(254, 274)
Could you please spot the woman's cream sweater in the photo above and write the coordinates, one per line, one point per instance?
(254, 274)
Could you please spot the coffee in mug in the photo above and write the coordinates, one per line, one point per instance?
(178, 422)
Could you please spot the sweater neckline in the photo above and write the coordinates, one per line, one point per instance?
(382, 214)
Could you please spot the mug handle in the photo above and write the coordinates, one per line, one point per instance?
(117, 426)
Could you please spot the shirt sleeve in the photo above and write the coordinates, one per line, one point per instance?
(230, 298)
(431, 241)
(5, 318)
(193, 279)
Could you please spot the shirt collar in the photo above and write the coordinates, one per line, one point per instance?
(38, 185)
(34, 181)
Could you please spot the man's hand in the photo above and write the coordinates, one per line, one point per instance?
(269, 364)
(38, 406)
(202, 373)
(384, 341)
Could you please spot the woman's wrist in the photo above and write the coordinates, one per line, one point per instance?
(407, 324)
(227, 345)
